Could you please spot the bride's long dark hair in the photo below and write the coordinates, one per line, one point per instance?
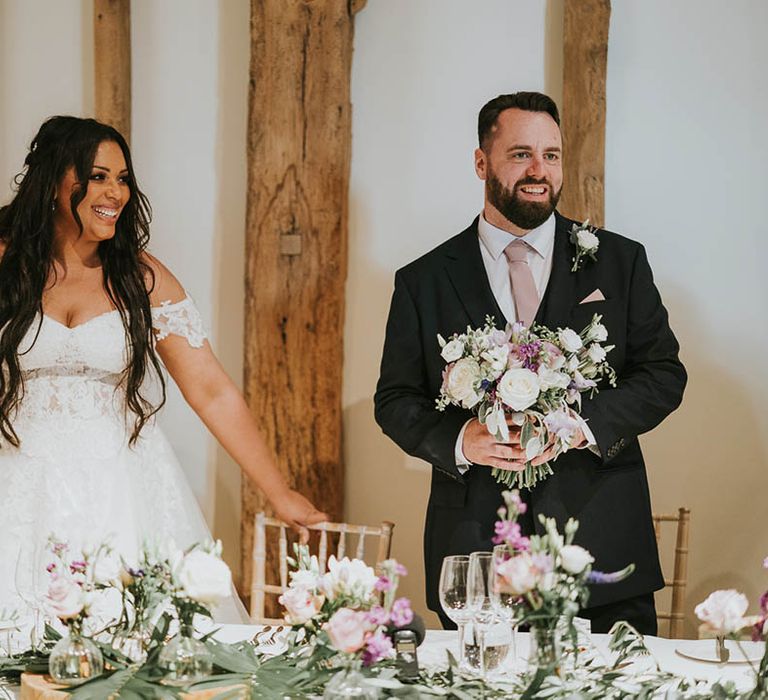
(27, 231)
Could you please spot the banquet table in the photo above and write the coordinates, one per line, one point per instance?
(432, 654)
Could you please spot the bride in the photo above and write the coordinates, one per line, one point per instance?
(87, 320)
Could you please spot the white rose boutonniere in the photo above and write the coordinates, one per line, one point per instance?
(586, 241)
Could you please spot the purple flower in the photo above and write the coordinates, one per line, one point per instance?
(514, 502)
(401, 613)
(378, 615)
(612, 577)
(506, 530)
(377, 646)
(400, 570)
(764, 602)
(383, 583)
(77, 567)
(50, 568)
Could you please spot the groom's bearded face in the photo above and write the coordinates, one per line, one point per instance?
(521, 163)
(515, 206)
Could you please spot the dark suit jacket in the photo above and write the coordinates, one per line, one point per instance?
(448, 289)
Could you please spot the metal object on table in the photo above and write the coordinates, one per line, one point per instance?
(723, 653)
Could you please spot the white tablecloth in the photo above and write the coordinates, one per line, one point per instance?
(432, 654)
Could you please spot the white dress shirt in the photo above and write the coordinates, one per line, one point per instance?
(493, 241)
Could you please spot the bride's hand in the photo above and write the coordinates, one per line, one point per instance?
(295, 510)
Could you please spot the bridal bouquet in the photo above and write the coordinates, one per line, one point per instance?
(349, 608)
(534, 375)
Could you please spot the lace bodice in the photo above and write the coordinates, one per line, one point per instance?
(73, 374)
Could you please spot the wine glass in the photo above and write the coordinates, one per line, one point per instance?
(479, 585)
(505, 604)
(31, 583)
(453, 595)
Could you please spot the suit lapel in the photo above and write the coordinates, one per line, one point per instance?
(560, 295)
(466, 271)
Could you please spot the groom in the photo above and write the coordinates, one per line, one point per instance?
(514, 263)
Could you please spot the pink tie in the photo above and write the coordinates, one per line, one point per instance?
(523, 287)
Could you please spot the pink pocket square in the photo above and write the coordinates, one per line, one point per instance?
(597, 295)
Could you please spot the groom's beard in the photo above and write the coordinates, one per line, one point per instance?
(523, 214)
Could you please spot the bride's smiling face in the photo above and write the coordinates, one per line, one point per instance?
(107, 193)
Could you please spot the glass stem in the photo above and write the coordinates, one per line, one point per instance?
(461, 626)
(480, 633)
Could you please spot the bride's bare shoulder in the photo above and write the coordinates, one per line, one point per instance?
(162, 285)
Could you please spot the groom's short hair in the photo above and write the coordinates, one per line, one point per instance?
(528, 101)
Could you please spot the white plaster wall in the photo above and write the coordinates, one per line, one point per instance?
(420, 74)
(686, 169)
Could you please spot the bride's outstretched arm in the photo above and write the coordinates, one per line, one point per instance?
(215, 398)
(220, 405)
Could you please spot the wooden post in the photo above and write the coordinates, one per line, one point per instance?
(299, 133)
(585, 57)
(112, 64)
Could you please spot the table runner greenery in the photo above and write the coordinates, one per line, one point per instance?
(302, 671)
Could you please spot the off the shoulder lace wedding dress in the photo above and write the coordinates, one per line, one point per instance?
(74, 473)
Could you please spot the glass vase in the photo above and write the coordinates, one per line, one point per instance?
(349, 684)
(133, 643)
(184, 659)
(545, 649)
(74, 660)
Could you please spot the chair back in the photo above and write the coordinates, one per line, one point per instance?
(341, 539)
(677, 584)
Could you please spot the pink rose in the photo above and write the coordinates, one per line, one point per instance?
(300, 604)
(65, 598)
(348, 629)
(517, 575)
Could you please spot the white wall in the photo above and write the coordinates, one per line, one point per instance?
(686, 170)
(420, 74)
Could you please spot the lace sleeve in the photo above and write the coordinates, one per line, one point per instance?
(181, 318)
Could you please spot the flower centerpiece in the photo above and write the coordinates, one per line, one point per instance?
(534, 375)
(144, 585)
(346, 612)
(73, 581)
(724, 615)
(544, 577)
(198, 579)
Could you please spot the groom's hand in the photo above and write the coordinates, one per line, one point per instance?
(480, 447)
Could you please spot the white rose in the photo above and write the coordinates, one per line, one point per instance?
(519, 388)
(575, 559)
(598, 332)
(300, 604)
(570, 340)
(351, 578)
(587, 240)
(723, 611)
(550, 379)
(65, 598)
(596, 353)
(453, 350)
(461, 382)
(204, 577)
(107, 570)
(517, 575)
(497, 358)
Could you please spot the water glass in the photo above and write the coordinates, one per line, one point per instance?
(453, 595)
